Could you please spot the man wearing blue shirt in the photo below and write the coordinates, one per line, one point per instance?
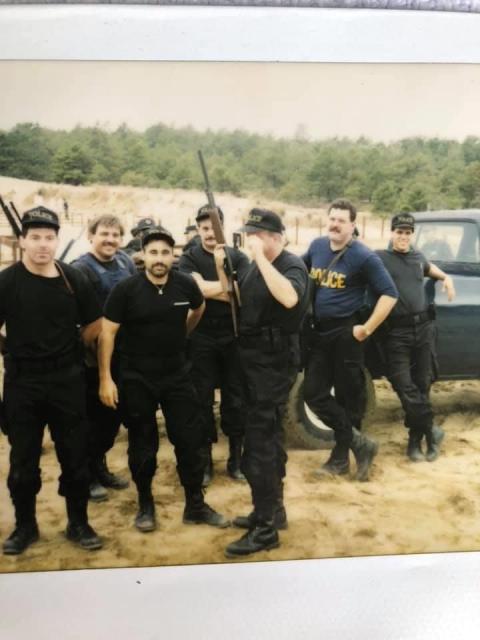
(341, 269)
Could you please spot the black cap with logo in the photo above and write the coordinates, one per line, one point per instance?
(40, 217)
(204, 212)
(263, 220)
(142, 225)
(157, 233)
(403, 221)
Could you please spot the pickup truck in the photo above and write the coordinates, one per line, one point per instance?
(451, 240)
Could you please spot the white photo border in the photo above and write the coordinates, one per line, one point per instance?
(427, 596)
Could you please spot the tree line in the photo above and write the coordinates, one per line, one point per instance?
(407, 175)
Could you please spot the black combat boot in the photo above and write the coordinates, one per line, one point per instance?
(197, 511)
(280, 520)
(26, 529)
(96, 491)
(145, 519)
(262, 537)
(434, 437)
(414, 446)
(364, 451)
(109, 479)
(234, 458)
(78, 530)
(208, 471)
(337, 464)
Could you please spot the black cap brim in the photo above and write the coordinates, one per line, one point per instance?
(157, 235)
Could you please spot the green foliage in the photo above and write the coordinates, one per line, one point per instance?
(410, 174)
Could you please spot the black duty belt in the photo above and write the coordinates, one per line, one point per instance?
(271, 336)
(408, 320)
(156, 364)
(40, 365)
(328, 324)
(213, 325)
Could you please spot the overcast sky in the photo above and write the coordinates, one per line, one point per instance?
(379, 101)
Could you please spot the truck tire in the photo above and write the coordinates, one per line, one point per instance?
(304, 430)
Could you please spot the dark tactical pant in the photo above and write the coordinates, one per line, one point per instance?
(409, 358)
(335, 361)
(270, 367)
(103, 421)
(33, 400)
(140, 395)
(216, 364)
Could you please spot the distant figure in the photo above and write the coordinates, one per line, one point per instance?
(192, 237)
(65, 209)
(135, 244)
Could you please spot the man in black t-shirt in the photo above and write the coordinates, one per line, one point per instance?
(274, 294)
(104, 266)
(409, 336)
(155, 311)
(213, 346)
(42, 304)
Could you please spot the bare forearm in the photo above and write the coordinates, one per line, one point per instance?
(280, 287)
(436, 273)
(106, 345)
(381, 310)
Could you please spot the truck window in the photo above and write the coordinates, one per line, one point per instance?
(448, 241)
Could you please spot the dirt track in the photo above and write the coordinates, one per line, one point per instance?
(405, 508)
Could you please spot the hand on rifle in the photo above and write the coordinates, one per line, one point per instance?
(219, 256)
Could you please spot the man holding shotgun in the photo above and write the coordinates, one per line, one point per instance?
(213, 346)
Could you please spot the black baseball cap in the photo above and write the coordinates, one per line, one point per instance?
(263, 220)
(157, 233)
(204, 212)
(142, 225)
(403, 221)
(40, 217)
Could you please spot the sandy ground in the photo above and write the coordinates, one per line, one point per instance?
(405, 508)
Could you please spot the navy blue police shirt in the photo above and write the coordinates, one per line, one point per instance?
(41, 314)
(152, 317)
(342, 290)
(260, 309)
(203, 262)
(408, 271)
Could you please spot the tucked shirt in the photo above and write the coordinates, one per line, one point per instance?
(41, 315)
(340, 291)
(152, 317)
(408, 271)
(260, 309)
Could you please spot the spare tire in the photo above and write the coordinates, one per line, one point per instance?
(304, 430)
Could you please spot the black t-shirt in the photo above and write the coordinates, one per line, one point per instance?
(152, 317)
(408, 271)
(41, 315)
(203, 262)
(260, 309)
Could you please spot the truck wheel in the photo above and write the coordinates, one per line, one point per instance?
(302, 427)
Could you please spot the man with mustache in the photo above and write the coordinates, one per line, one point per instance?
(213, 346)
(42, 303)
(341, 269)
(104, 265)
(409, 337)
(155, 311)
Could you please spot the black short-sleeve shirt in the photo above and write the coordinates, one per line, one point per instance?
(152, 317)
(41, 315)
(260, 309)
(407, 271)
(203, 262)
